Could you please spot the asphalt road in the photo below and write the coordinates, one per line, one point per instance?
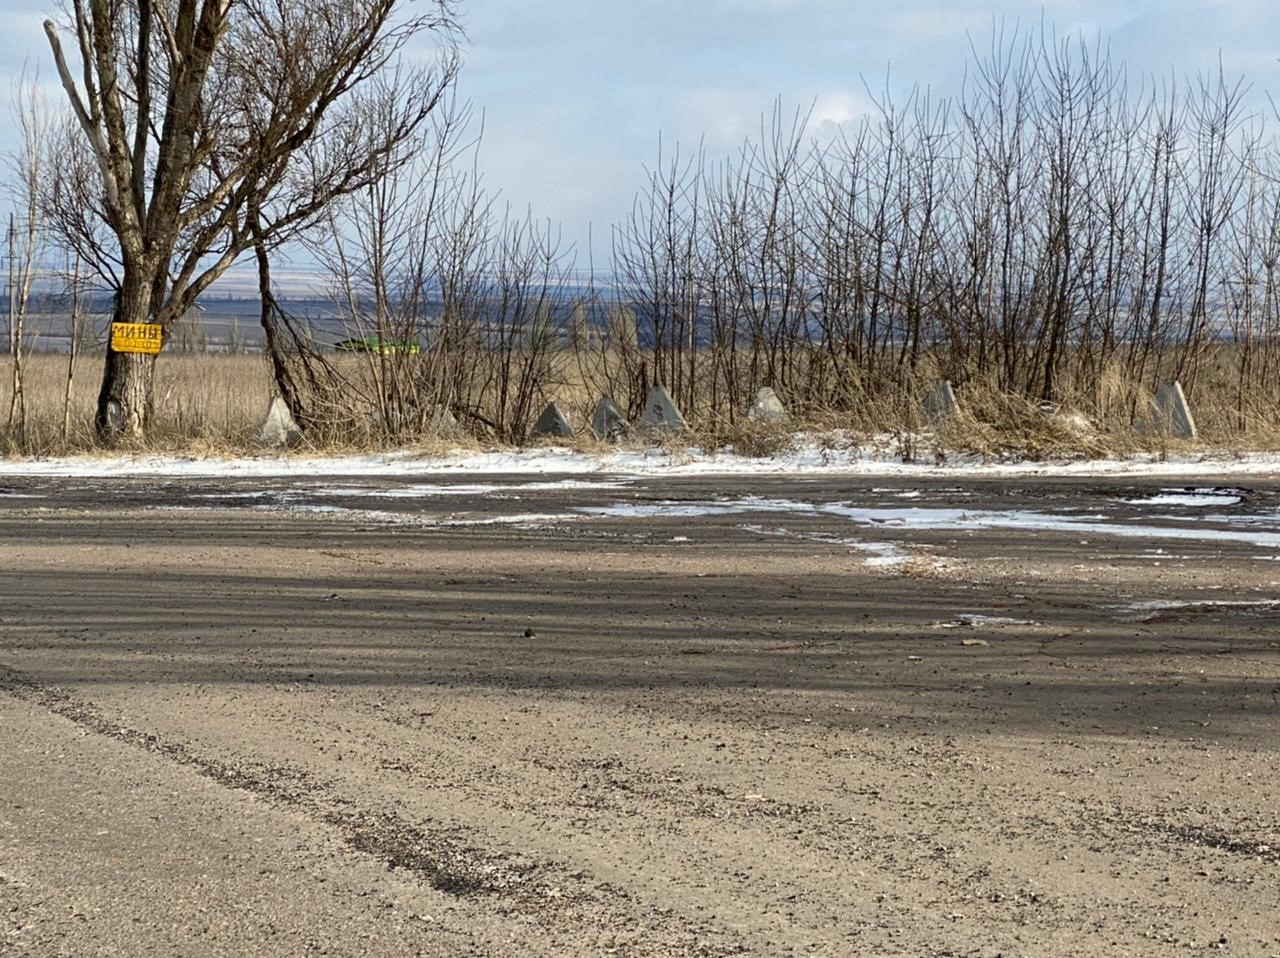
(518, 716)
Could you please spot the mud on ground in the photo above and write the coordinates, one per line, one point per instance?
(244, 719)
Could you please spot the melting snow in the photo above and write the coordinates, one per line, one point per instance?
(1261, 531)
(914, 518)
(416, 519)
(1191, 498)
(1145, 611)
(813, 456)
(677, 510)
(975, 620)
(883, 554)
(1039, 521)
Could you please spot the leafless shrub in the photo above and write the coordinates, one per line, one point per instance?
(27, 236)
(453, 305)
(1052, 233)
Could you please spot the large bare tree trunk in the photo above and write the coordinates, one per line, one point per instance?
(125, 401)
(124, 404)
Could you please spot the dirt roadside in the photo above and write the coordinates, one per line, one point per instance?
(233, 731)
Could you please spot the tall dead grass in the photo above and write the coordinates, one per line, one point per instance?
(203, 404)
(214, 404)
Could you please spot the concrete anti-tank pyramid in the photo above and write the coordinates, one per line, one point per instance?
(767, 407)
(552, 422)
(444, 424)
(661, 412)
(607, 422)
(941, 402)
(279, 428)
(1171, 412)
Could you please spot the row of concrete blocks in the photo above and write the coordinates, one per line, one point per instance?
(1170, 414)
(661, 414)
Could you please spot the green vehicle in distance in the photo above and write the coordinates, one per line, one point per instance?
(383, 347)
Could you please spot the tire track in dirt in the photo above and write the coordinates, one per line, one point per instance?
(444, 858)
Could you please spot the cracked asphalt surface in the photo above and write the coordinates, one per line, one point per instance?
(510, 715)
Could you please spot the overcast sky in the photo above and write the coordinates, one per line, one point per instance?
(575, 93)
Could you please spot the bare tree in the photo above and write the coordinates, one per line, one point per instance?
(213, 126)
(1052, 234)
(74, 322)
(26, 235)
(385, 250)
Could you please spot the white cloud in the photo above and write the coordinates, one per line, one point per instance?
(577, 92)
(838, 107)
(726, 116)
(939, 23)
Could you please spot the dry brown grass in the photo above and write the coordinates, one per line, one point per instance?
(205, 404)
(757, 440)
(210, 404)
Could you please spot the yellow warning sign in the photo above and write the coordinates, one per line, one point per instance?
(137, 338)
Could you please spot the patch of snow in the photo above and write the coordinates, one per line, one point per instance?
(813, 455)
(405, 492)
(901, 494)
(950, 519)
(239, 495)
(366, 515)
(1269, 520)
(975, 620)
(1146, 611)
(419, 491)
(520, 519)
(463, 489)
(690, 510)
(1191, 497)
(569, 484)
(1157, 557)
(916, 518)
(883, 554)
(416, 519)
(886, 555)
(1182, 499)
